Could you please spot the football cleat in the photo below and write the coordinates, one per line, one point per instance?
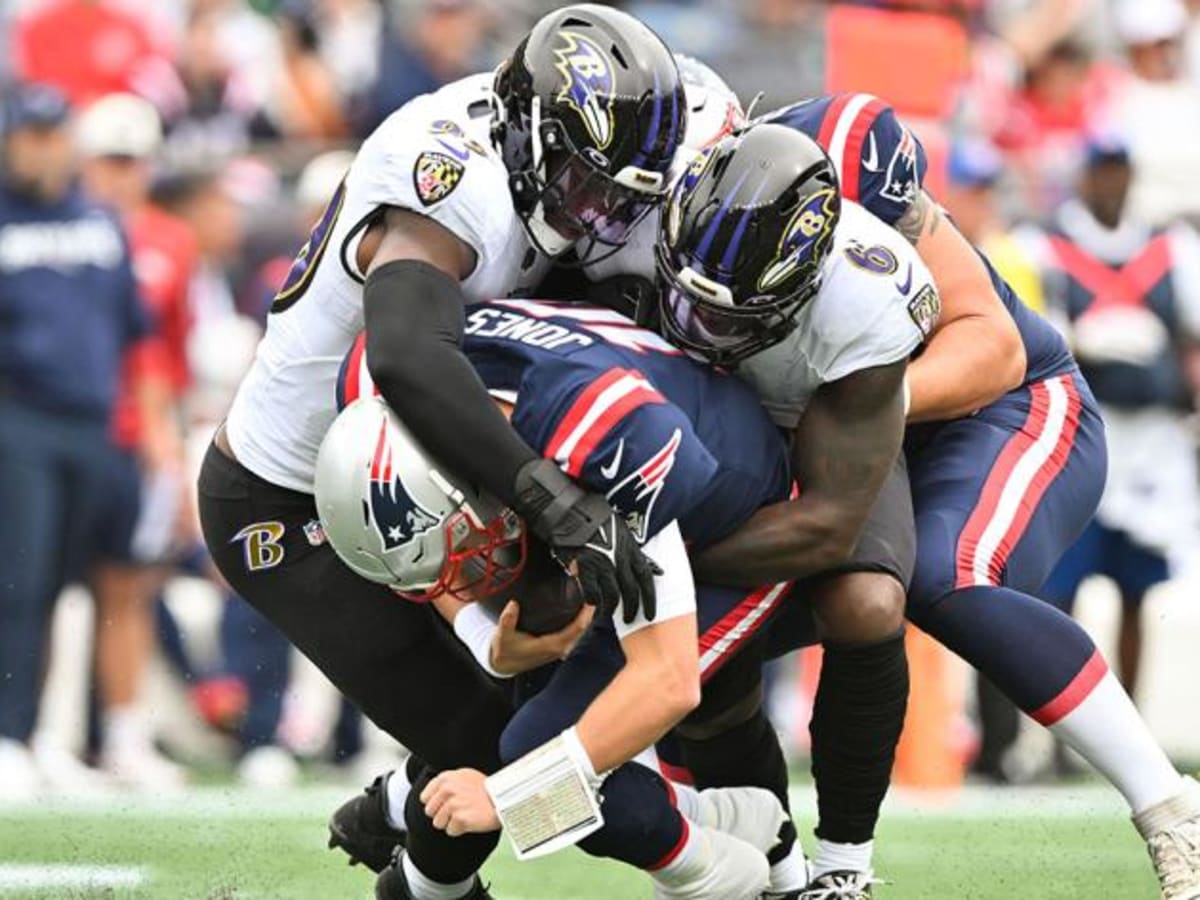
(750, 814)
(1171, 830)
(843, 884)
(360, 827)
(393, 885)
(724, 867)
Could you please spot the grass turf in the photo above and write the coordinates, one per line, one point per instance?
(232, 846)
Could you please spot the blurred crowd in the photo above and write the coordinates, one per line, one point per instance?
(189, 145)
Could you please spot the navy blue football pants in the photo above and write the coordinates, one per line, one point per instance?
(51, 492)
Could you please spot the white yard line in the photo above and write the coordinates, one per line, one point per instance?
(33, 876)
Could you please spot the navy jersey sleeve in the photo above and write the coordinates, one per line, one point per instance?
(620, 437)
(880, 163)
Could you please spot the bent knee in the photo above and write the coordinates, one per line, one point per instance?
(859, 606)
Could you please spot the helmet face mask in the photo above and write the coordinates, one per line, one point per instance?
(587, 115)
(397, 518)
(743, 242)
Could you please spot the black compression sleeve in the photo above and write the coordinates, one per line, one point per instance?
(414, 316)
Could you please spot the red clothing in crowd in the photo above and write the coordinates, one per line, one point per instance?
(89, 48)
(164, 260)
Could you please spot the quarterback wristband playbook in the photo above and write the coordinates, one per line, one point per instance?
(549, 798)
(414, 320)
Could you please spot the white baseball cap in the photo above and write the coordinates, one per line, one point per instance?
(320, 178)
(1149, 21)
(119, 125)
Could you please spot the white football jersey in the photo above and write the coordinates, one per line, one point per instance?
(433, 156)
(877, 304)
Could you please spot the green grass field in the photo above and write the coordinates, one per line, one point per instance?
(219, 844)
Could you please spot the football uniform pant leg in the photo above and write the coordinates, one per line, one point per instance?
(727, 741)
(50, 494)
(862, 694)
(999, 497)
(394, 659)
(642, 827)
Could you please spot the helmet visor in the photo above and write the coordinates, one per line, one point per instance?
(580, 202)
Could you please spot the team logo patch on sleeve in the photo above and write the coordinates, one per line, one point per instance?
(638, 491)
(925, 308)
(900, 180)
(435, 176)
(588, 84)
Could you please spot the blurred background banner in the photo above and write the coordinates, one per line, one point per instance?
(207, 136)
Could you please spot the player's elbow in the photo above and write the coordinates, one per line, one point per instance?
(1010, 357)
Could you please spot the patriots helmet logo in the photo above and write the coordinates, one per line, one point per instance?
(810, 227)
(635, 495)
(588, 84)
(900, 180)
(398, 517)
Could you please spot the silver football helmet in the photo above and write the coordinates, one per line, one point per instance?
(397, 517)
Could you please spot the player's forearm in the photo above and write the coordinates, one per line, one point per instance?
(658, 686)
(414, 319)
(780, 542)
(967, 364)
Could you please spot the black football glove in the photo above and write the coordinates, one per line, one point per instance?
(582, 528)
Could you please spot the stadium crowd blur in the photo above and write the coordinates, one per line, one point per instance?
(212, 131)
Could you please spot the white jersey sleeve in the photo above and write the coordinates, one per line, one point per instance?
(877, 304)
(675, 588)
(432, 156)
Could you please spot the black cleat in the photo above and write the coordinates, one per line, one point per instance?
(842, 884)
(360, 827)
(392, 885)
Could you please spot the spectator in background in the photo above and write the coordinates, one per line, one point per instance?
(119, 136)
(69, 311)
(426, 44)
(1159, 111)
(307, 103)
(974, 169)
(1128, 298)
(89, 48)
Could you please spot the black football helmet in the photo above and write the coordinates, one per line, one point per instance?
(589, 111)
(742, 242)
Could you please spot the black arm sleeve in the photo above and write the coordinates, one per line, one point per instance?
(414, 317)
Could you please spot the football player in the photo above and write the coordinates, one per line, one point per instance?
(1007, 462)
(461, 194)
(686, 455)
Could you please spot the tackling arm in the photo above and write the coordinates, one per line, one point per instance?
(844, 447)
(414, 317)
(975, 354)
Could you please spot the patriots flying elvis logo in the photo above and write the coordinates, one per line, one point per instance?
(638, 491)
(398, 517)
(810, 227)
(588, 84)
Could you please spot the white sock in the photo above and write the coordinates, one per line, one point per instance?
(1107, 731)
(790, 873)
(396, 789)
(125, 728)
(687, 800)
(692, 858)
(423, 888)
(832, 857)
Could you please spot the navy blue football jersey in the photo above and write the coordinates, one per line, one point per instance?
(625, 413)
(881, 165)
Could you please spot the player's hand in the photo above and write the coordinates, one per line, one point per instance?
(458, 803)
(513, 651)
(582, 528)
